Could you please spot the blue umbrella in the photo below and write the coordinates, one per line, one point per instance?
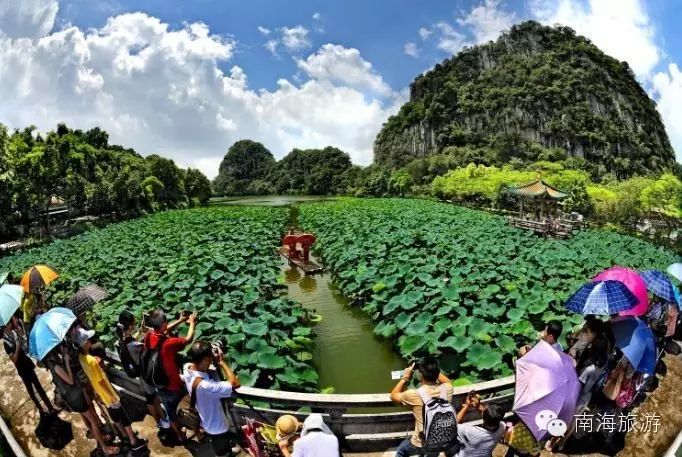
(602, 297)
(636, 340)
(659, 284)
(10, 300)
(49, 330)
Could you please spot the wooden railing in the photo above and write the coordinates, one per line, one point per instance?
(361, 421)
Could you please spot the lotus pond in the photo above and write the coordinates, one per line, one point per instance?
(441, 279)
(218, 261)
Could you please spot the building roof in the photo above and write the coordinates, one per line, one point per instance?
(537, 188)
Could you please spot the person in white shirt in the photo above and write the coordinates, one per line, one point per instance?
(316, 440)
(209, 392)
(551, 334)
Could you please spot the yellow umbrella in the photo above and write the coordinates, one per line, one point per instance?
(38, 276)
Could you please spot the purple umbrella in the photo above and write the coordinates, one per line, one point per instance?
(546, 383)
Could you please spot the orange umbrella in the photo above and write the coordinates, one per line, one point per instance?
(38, 276)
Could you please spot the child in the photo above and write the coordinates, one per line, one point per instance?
(104, 390)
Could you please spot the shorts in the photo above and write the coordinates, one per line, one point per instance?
(222, 444)
(75, 399)
(149, 392)
(171, 400)
(119, 416)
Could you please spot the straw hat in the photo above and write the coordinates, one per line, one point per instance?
(286, 425)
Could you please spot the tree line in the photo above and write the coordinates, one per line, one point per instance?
(89, 175)
(249, 168)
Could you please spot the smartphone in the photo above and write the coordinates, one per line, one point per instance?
(186, 313)
(397, 374)
(147, 320)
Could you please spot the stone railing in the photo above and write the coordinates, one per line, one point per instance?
(363, 422)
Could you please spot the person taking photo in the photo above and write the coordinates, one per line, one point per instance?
(207, 393)
(160, 340)
(433, 385)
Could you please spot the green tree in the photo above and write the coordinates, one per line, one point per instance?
(173, 192)
(663, 196)
(245, 161)
(400, 182)
(578, 200)
(197, 185)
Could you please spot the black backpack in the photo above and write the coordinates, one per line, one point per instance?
(130, 366)
(53, 433)
(152, 365)
(440, 422)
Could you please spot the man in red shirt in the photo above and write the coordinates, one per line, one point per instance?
(175, 390)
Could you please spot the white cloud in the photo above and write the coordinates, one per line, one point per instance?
(161, 90)
(27, 18)
(295, 38)
(668, 88)
(622, 30)
(318, 23)
(336, 63)
(271, 45)
(487, 20)
(264, 30)
(425, 33)
(450, 40)
(411, 50)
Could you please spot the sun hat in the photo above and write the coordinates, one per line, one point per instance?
(286, 425)
(315, 422)
(82, 336)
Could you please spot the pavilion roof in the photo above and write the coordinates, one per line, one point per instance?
(537, 188)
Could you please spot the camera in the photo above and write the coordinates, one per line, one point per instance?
(147, 320)
(217, 347)
(186, 313)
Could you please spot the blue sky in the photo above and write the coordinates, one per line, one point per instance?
(188, 78)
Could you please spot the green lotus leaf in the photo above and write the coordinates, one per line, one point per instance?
(410, 344)
(456, 343)
(271, 361)
(255, 328)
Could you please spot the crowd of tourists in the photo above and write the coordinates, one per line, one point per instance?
(598, 371)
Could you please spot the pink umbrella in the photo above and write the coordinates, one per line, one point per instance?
(634, 282)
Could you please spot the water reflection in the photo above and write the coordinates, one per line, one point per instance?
(347, 354)
(292, 275)
(307, 283)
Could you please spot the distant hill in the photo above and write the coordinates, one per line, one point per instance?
(534, 92)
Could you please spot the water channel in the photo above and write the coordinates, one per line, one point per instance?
(347, 354)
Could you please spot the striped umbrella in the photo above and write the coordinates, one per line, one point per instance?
(659, 284)
(85, 299)
(38, 276)
(602, 297)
